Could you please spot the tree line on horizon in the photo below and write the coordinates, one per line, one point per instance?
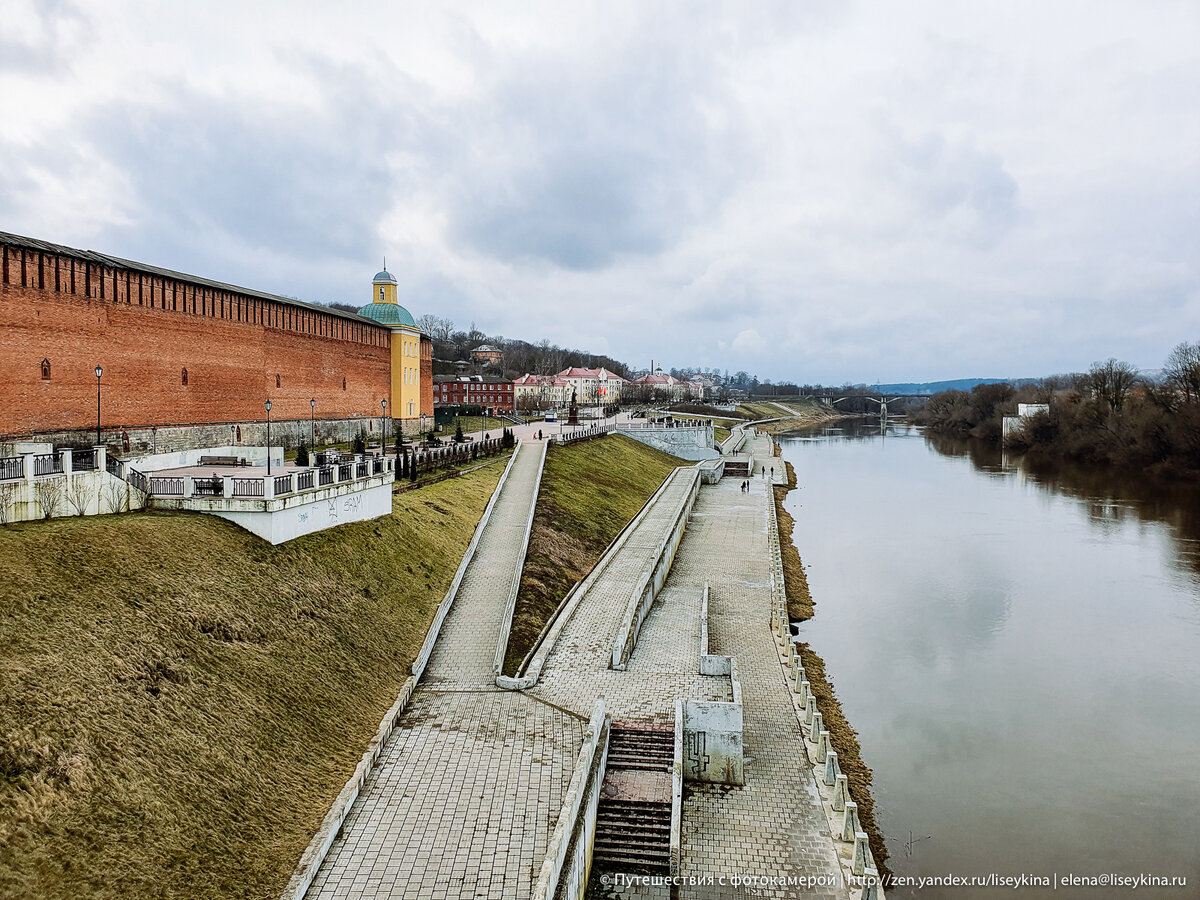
(1109, 414)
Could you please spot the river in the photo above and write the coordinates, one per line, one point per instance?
(1019, 651)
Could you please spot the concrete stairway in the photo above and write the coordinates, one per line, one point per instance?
(633, 821)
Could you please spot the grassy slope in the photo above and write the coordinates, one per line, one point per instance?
(180, 702)
(589, 492)
(842, 735)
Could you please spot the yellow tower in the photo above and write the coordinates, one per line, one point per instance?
(405, 402)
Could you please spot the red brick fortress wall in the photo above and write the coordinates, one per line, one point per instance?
(77, 310)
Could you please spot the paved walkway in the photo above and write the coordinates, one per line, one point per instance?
(661, 669)
(471, 783)
(773, 825)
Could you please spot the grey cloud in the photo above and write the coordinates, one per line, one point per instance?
(585, 166)
(963, 192)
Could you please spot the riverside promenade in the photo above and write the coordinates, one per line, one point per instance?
(772, 826)
(470, 785)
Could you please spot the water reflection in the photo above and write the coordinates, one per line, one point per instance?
(1017, 645)
(1110, 496)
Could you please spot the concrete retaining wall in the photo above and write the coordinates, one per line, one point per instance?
(531, 668)
(305, 513)
(651, 582)
(511, 604)
(712, 731)
(686, 443)
(69, 492)
(575, 830)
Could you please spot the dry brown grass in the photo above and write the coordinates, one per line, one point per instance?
(180, 702)
(842, 735)
(589, 492)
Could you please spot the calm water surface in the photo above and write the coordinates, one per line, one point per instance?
(1018, 650)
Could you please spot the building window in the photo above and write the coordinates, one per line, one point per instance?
(343, 384)
(183, 377)
(45, 370)
(276, 379)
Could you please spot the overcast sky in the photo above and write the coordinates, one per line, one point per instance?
(816, 191)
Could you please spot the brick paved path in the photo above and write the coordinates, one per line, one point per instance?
(470, 784)
(662, 668)
(774, 825)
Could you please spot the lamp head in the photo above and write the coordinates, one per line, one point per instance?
(313, 402)
(99, 371)
(268, 405)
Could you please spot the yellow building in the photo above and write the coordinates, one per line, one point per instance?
(405, 403)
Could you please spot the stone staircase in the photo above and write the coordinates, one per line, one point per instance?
(633, 821)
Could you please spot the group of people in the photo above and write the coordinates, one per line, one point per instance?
(746, 483)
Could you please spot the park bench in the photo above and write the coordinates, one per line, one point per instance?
(222, 461)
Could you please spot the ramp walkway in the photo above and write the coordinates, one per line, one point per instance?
(469, 785)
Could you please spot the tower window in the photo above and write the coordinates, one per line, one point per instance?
(381, 293)
(183, 378)
(45, 370)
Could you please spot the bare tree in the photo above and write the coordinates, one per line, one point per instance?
(7, 493)
(1182, 369)
(116, 494)
(49, 493)
(1111, 381)
(80, 492)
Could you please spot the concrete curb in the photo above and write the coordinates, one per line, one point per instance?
(584, 788)
(641, 600)
(318, 847)
(510, 604)
(431, 636)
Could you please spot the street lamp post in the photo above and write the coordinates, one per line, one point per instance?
(383, 428)
(99, 372)
(312, 421)
(268, 408)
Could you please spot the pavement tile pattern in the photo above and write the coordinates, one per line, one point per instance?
(470, 785)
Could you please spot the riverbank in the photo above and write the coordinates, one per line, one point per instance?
(842, 735)
(182, 702)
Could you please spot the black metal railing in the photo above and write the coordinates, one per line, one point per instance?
(113, 465)
(361, 470)
(166, 487)
(345, 471)
(83, 460)
(208, 487)
(283, 485)
(138, 480)
(47, 464)
(304, 480)
(327, 475)
(249, 487)
(12, 467)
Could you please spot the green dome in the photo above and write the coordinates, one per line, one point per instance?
(388, 314)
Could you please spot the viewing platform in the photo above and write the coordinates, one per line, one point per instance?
(284, 503)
